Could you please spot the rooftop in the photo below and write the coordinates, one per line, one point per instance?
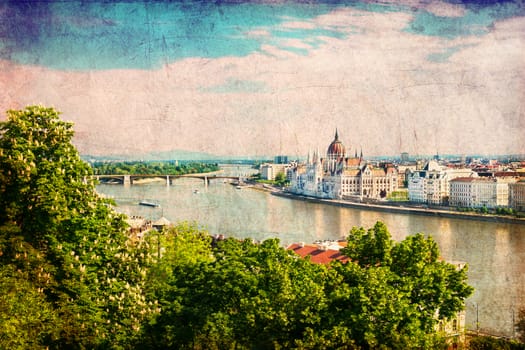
(319, 253)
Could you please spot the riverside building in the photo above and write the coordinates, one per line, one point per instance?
(270, 170)
(431, 185)
(338, 176)
(477, 192)
(517, 195)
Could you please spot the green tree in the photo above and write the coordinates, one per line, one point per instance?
(247, 295)
(173, 280)
(369, 247)
(373, 312)
(407, 289)
(435, 286)
(151, 168)
(65, 239)
(280, 179)
(27, 318)
(491, 343)
(244, 295)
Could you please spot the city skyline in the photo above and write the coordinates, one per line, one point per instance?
(265, 78)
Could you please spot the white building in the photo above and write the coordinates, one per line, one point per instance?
(269, 170)
(431, 185)
(461, 192)
(502, 191)
(339, 176)
(477, 192)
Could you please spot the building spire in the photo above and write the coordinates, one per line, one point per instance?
(336, 135)
(361, 156)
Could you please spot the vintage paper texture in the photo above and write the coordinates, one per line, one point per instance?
(177, 80)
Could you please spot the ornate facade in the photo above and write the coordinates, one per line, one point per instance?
(339, 176)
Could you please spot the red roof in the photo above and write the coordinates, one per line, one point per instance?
(318, 255)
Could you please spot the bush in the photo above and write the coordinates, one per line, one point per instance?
(490, 343)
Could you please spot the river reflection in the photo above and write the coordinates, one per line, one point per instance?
(495, 252)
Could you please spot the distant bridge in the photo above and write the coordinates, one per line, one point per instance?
(130, 179)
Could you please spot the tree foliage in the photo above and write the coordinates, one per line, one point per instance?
(280, 178)
(28, 320)
(152, 168)
(246, 295)
(415, 287)
(491, 343)
(238, 294)
(65, 240)
(369, 247)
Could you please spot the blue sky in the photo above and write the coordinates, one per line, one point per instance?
(147, 34)
(272, 77)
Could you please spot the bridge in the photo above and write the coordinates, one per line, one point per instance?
(130, 179)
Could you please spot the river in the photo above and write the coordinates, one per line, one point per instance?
(495, 252)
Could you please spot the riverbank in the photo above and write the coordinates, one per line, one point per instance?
(406, 209)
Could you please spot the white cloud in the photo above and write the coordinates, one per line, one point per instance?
(376, 86)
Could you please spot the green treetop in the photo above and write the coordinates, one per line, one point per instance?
(415, 288)
(64, 239)
(246, 295)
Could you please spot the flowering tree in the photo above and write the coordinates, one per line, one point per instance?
(63, 239)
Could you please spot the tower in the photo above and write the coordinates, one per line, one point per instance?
(335, 155)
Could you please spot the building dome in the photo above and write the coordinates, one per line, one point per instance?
(336, 150)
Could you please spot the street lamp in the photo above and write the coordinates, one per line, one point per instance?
(159, 226)
(477, 318)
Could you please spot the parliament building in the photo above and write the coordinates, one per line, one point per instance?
(338, 176)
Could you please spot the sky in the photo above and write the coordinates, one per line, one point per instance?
(263, 78)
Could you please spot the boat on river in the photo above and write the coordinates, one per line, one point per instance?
(149, 204)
